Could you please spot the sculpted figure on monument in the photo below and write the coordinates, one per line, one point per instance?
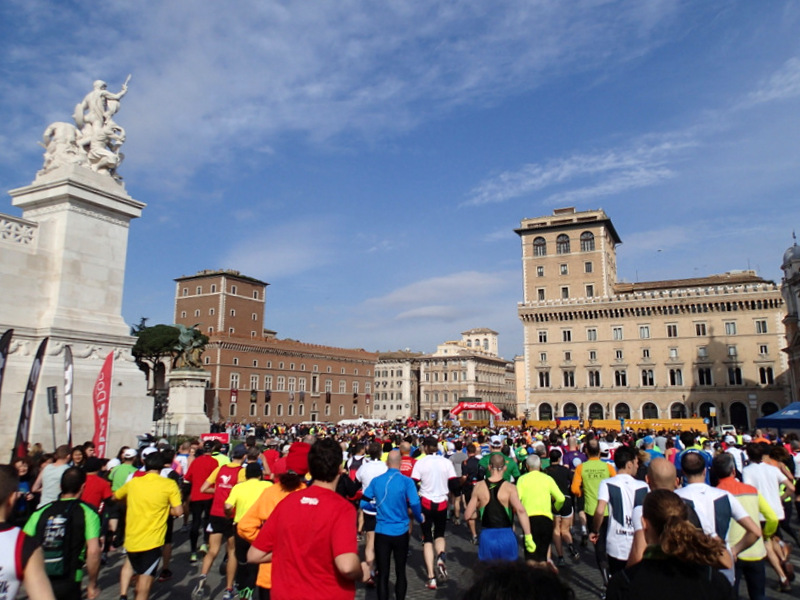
(96, 141)
(190, 346)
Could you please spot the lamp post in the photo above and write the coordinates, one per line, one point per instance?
(168, 421)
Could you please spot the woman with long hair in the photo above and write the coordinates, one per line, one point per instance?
(680, 560)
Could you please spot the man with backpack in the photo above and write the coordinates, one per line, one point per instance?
(68, 531)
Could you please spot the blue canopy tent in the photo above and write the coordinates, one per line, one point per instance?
(786, 418)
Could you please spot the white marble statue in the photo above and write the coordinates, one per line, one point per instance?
(95, 140)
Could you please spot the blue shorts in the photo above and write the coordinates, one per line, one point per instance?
(498, 544)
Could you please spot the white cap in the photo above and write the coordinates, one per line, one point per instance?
(496, 440)
(129, 453)
(149, 450)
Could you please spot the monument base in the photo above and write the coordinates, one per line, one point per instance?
(187, 388)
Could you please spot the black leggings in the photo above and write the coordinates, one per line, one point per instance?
(200, 510)
(385, 547)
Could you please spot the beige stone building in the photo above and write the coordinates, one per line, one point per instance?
(256, 377)
(396, 394)
(466, 369)
(598, 348)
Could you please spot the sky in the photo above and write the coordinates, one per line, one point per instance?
(370, 160)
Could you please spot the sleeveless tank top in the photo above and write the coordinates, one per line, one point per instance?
(495, 515)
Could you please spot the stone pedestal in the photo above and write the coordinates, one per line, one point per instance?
(187, 388)
(62, 275)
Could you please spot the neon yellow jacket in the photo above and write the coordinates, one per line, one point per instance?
(538, 492)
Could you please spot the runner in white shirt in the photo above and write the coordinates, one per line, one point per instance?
(433, 472)
(715, 507)
(369, 470)
(621, 494)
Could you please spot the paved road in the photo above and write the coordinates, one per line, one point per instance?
(462, 557)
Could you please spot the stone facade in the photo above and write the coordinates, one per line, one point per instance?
(62, 266)
(599, 348)
(256, 377)
(396, 393)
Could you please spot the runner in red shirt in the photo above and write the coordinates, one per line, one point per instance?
(96, 490)
(311, 536)
(199, 502)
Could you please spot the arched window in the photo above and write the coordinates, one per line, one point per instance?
(677, 411)
(539, 247)
(545, 412)
(649, 411)
(622, 411)
(596, 411)
(587, 241)
(570, 410)
(562, 244)
(768, 408)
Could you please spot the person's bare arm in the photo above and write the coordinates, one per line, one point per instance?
(597, 521)
(472, 507)
(176, 511)
(37, 485)
(37, 585)
(637, 548)
(93, 567)
(256, 556)
(350, 566)
(207, 488)
(522, 514)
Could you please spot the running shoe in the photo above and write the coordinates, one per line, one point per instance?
(164, 575)
(228, 595)
(193, 558)
(560, 562)
(104, 558)
(573, 552)
(474, 540)
(432, 584)
(441, 567)
(204, 549)
(199, 590)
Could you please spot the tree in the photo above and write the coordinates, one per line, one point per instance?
(153, 345)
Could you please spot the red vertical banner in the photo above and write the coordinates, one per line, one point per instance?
(101, 396)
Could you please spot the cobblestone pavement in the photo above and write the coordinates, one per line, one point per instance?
(582, 575)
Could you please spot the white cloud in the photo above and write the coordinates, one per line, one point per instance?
(456, 288)
(608, 172)
(783, 84)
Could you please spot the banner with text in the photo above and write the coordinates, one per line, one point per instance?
(101, 397)
(24, 425)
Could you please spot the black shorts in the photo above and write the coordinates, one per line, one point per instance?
(64, 589)
(566, 509)
(580, 503)
(146, 562)
(186, 489)
(435, 520)
(542, 533)
(168, 534)
(467, 492)
(222, 525)
(369, 522)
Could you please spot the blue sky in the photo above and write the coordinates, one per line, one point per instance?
(370, 160)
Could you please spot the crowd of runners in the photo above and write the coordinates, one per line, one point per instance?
(302, 511)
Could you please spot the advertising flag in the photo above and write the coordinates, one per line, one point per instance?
(101, 396)
(24, 426)
(5, 343)
(68, 368)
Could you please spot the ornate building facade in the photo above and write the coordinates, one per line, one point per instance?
(599, 348)
(396, 393)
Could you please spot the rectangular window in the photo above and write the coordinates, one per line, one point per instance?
(355, 387)
(234, 381)
(645, 352)
(281, 383)
(672, 330)
(587, 267)
(292, 384)
(765, 373)
(761, 326)
(563, 269)
(591, 335)
(566, 335)
(702, 352)
(589, 291)
(540, 294)
(704, 377)
(730, 328)
(343, 387)
(763, 350)
(618, 354)
(540, 271)
(328, 385)
(544, 379)
(569, 378)
(594, 378)
(648, 378)
(564, 292)
(734, 376)
(267, 382)
(592, 355)
(675, 377)
(567, 356)
(301, 384)
(254, 382)
(673, 353)
(700, 329)
(542, 337)
(543, 357)
(731, 350)
(616, 333)
(644, 332)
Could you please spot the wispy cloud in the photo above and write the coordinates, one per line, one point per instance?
(596, 175)
(783, 84)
